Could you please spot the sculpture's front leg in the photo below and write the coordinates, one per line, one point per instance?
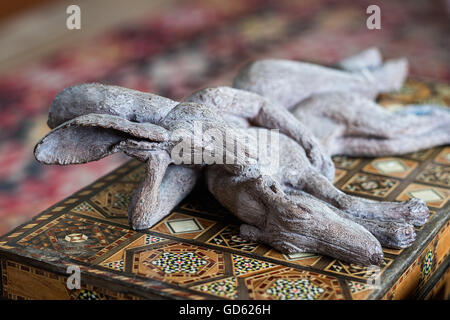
(413, 211)
(163, 187)
(373, 129)
(287, 82)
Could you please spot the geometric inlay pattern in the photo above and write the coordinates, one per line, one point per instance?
(435, 174)
(149, 239)
(181, 262)
(289, 283)
(394, 167)
(370, 185)
(357, 271)
(84, 207)
(419, 155)
(434, 196)
(339, 173)
(116, 265)
(87, 209)
(428, 261)
(114, 200)
(356, 287)
(302, 289)
(77, 237)
(230, 237)
(429, 195)
(88, 295)
(299, 256)
(117, 260)
(222, 288)
(444, 156)
(183, 226)
(345, 162)
(359, 290)
(390, 166)
(244, 265)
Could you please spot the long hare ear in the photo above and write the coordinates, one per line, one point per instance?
(98, 98)
(92, 137)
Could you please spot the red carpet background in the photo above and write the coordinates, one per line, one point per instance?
(194, 44)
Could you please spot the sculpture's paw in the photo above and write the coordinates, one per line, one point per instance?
(139, 222)
(376, 259)
(417, 212)
(403, 235)
(250, 233)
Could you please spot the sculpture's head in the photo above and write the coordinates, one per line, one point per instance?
(301, 223)
(193, 129)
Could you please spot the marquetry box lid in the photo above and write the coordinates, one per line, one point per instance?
(196, 252)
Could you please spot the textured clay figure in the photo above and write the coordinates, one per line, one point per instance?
(311, 214)
(349, 124)
(339, 108)
(295, 208)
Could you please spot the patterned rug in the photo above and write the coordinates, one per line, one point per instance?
(194, 44)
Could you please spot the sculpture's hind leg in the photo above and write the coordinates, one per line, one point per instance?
(413, 211)
(308, 225)
(390, 234)
(371, 147)
(362, 117)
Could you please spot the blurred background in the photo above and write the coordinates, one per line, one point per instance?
(172, 47)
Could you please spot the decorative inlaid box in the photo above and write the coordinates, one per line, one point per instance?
(196, 252)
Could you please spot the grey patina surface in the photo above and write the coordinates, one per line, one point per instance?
(294, 208)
